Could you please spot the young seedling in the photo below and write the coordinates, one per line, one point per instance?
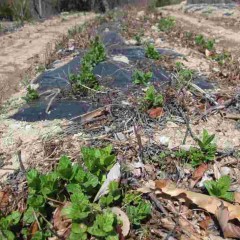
(204, 43)
(151, 52)
(184, 75)
(86, 79)
(221, 58)
(31, 95)
(152, 98)
(140, 77)
(166, 24)
(204, 154)
(220, 188)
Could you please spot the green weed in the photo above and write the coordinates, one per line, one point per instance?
(31, 95)
(86, 78)
(205, 153)
(184, 75)
(166, 24)
(220, 188)
(152, 98)
(204, 43)
(221, 58)
(151, 52)
(140, 77)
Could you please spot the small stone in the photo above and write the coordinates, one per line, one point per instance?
(141, 14)
(131, 42)
(225, 171)
(121, 58)
(164, 140)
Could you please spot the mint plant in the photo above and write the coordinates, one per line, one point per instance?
(152, 98)
(137, 209)
(204, 154)
(74, 186)
(86, 79)
(151, 52)
(142, 78)
(204, 43)
(31, 95)
(166, 24)
(220, 188)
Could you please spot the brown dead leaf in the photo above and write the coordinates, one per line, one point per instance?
(32, 230)
(206, 202)
(4, 199)
(237, 197)
(204, 224)
(91, 115)
(155, 112)
(61, 224)
(230, 230)
(198, 173)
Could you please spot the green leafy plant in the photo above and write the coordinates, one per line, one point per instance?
(140, 77)
(204, 43)
(205, 153)
(221, 58)
(166, 24)
(220, 188)
(74, 187)
(86, 79)
(137, 209)
(184, 75)
(31, 95)
(151, 52)
(152, 98)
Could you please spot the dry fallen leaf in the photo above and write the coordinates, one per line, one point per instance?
(198, 173)
(4, 199)
(204, 224)
(32, 230)
(125, 228)
(113, 175)
(230, 230)
(156, 112)
(206, 202)
(61, 224)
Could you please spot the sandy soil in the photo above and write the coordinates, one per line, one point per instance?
(27, 46)
(214, 25)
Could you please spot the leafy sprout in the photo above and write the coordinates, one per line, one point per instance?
(151, 52)
(220, 188)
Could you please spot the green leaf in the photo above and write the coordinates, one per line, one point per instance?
(74, 188)
(33, 180)
(65, 169)
(138, 213)
(49, 184)
(28, 216)
(220, 188)
(36, 201)
(78, 232)
(103, 225)
(8, 235)
(79, 207)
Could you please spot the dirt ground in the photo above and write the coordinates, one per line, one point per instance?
(213, 24)
(27, 47)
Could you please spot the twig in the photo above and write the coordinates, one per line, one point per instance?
(159, 206)
(39, 226)
(19, 156)
(50, 227)
(139, 141)
(51, 100)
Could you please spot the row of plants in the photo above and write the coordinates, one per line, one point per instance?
(61, 203)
